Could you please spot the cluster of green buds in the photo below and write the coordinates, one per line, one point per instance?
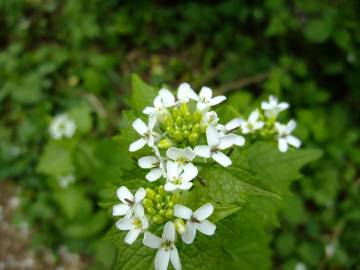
(182, 126)
(159, 204)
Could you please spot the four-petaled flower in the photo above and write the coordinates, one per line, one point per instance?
(205, 99)
(148, 136)
(216, 143)
(195, 221)
(134, 224)
(273, 107)
(167, 250)
(162, 101)
(179, 178)
(284, 136)
(185, 93)
(129, 201)
(155, 163)
(252, 124)
(209, 118)
(62, 127)
(181, 156)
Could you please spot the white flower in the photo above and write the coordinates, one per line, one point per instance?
(148, 136)
(155, 163)
(300, 266)
(181, 156)
(62, 127)
(129, 201)
(252, 124)
(179, 178)
(273, 107)
(205, 100)
(162, 101)
(216, 143)
(284, 137)
(167, 250)
(185, 93)
(209, 118)
(330, 249)
(195, 221)
(229, 128)
(66, 180)
(135, 224)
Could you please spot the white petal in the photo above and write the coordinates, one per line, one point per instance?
(280, 128)
(151, 240)
(162, 259)
(169, 231)
(152, 121)
(185, 92)
(203, 151)
(283, 105)
(149, 110)
(212, 136)
(148, 162)
(124, 195)
(190, 172)
(186, 185)
(204, 212)
(206, 227)
(140, 195)
(137, 145)
(140, 126)
(175, 259)
(189, 153)
(292, 140)
(139, 210)
(144, 222)
(201, 106)
(173, 153)
(226, 142)
(158, 103)
(290, 126)
(254, 116)
(182, 211)
(233, 124)
(131, 236)
(258, 125)
(221, 158)
(167, 97)
(265, 105)
(283, 146)
(120, 209)
(154, 174)
(172, 169)
(124, 224)
(217, 100)
(205, 93)
(169, 187)
(189, 235)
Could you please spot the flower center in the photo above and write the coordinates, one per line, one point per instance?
(167, 245)
(177, 180)
(137, 223)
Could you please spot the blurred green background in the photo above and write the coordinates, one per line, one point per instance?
(77, 57)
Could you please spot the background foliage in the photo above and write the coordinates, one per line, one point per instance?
(77, 57)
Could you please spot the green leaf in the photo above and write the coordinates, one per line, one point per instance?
(142, 94)
(81, 114)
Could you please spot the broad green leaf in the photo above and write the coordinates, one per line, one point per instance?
(142, 94)
(81, 114)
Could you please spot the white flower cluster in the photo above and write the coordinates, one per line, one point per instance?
(178, 131)
(61, 127)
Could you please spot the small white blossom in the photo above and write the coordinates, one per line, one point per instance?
(179, 178)
(229, 128)
(300, 266)
(155, 163)
(209, 118)
(62, 127)
(284, 136)
(66, 180)
(216, 144)
(273, 107)
(195, 221)
(205, 100)
(135, 224)
(185, 93)
(129, 201)
(167, 250)
(252, 124)
(330, 250)
(181, 156)
(148, 136)
(162, 101)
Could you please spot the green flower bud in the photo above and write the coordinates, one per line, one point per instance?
(197, 116)
(150, 194)
(148, 203)
(195, 128)
(161, 191)
(175, 197)
(169, 213)
(162, 212)
(150, 211)
(159, 206)
(158, 198)
(158, 219)
(165, 144)
(176, 112)
(168, 120)
(170, 130)
(184, 109)
(171, 204)
(188, 117)
(180, 225)
(186, 134)
(168, 198)
(193, 138)
(179, 121)
(178, 135)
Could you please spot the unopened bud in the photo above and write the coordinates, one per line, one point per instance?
(150, 193)
(193, 138)
(158, 219)
(180, 225)
(165, 144)
(169, 213)
(197, 116)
